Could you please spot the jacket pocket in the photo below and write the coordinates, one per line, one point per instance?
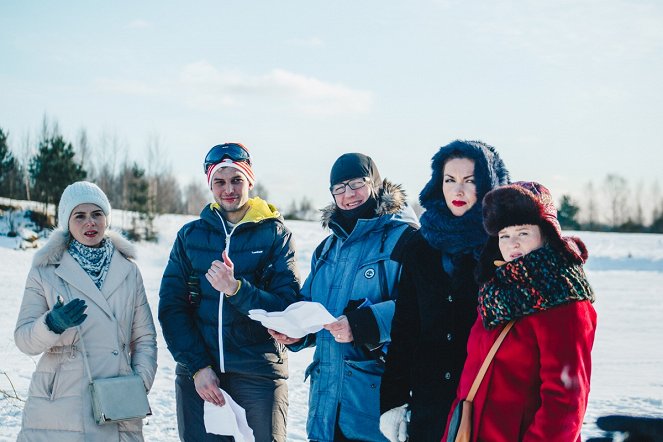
(361, 387)
(41, 384)
(360, 400)
(55, 402)
(312, 367)
(313, 371)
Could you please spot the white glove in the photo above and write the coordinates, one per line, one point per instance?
(393, 424)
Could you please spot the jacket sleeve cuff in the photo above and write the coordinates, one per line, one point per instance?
(308, 341)
(364, 326)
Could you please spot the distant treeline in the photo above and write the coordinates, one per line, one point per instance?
(43, 167)
(615, 207)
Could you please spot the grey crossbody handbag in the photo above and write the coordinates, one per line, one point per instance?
(116, 399)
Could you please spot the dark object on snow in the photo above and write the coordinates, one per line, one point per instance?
(639, 429)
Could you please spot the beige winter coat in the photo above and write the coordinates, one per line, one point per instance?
(119, 337)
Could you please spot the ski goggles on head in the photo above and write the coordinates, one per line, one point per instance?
(218, 153)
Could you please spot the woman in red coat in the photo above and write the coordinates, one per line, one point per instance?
(537, 385)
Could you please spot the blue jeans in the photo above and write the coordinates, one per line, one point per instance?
(264, 399)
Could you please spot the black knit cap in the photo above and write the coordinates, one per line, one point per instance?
(355, 165)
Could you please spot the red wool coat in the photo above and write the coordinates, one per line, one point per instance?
(537, 385)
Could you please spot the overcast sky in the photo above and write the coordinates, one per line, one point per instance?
(567, 91)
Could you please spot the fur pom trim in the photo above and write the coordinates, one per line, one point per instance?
(510, 206)
(51, 253)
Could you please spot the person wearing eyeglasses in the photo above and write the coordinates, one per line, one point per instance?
(354, 272)
(237, 256)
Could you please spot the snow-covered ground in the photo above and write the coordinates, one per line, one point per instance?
(626, 271)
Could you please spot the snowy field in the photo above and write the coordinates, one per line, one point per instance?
(626, 271)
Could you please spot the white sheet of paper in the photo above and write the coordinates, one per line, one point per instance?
(296, 321)
(229, 420)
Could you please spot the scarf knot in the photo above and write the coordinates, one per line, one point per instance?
(94, 260)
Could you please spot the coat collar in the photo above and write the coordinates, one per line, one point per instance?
(73, 274)
(259, 210)
(55, 253)
(51, 253)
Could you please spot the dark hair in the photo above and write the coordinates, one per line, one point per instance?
(489, 170)
(457, 155)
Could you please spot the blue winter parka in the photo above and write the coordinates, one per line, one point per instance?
(263, 254)
(347, 271)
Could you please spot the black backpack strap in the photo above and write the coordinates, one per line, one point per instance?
(396, 255)
(399, 248)
(323, 249)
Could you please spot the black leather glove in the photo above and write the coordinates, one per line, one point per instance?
(639, 429)
(64, 316)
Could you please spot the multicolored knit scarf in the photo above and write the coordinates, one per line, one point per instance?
(538, 281)
(94, 260)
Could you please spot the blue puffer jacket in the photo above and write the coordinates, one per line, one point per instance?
(262, 251)
(345, 268)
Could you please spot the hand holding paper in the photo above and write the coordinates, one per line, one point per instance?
(340, 330)
(281, 338)
(227, 420)
(296, 321)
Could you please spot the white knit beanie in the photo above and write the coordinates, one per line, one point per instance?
(81, 192)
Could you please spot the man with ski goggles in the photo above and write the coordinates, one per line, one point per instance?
(239, 256)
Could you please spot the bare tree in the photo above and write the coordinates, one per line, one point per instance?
(260, 190)
(638, 215)
(196, 196)
(84, 154)
(169, 197)
(591, 208)
(107, 167)
(616, 191)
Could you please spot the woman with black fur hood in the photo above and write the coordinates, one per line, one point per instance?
(437, 302)
(354, 274)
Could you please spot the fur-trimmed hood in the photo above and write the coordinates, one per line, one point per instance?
(51, 253)
(489, 169)
(391, 200)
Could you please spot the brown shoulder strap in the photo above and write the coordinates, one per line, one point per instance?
(487, 361)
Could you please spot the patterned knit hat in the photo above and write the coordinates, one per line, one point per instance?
(242, 166)
(81, 192)
(527, 202)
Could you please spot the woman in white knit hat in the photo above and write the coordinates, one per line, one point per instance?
(83, 284)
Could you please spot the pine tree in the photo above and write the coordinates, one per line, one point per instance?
(138, 200)
(657, 218)
(53, 168)
(8, 168)
(567, 213)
